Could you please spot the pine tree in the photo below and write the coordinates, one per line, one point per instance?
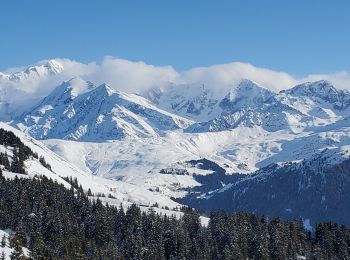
(3, 241)
(260, 241)
(17, 251)
(41, 252)
(4, 161)
(342, 239)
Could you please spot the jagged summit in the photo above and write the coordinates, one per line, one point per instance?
(321, 88)
(53, 66)
(246, 94)
(70, 89)
(197, 102)
(39, 70)
(308, 105)
(74, 107)
(106, 89)
(79, 110)
(321, 91)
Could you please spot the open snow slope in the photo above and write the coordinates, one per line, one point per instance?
(241, 150)
(61, 168)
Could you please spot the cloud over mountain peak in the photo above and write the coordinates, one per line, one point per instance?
(27, 85)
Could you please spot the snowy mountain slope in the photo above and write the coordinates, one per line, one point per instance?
(202, 103)
(194, 101)
(247, 94)
(78, 110)
(161, 211)
(304, 106)
(62, 169)
(18, 89)
(322, 92)
(316, 189)
(149, 148)
(35, 72)
(252, 113)
(143, 162)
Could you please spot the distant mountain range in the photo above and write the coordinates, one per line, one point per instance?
(244, 148)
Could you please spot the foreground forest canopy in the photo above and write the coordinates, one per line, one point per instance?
(58, 223)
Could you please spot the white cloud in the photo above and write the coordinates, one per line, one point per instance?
(339, 79)
(227, 75)
(132, 76)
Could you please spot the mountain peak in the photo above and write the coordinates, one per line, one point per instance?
(106, 89)
(248, 82)
(53, 65)
(36, 71)
(322, 91)
(246, 94)
(44, 67)
(79, 110)
(320, 87)
(75, 87)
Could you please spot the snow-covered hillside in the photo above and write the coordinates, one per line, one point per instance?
(241, 150)
(314, 189)
(60, 169)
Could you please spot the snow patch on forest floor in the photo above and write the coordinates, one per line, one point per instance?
(7, 250)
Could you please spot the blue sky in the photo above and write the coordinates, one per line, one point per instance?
(299, 37)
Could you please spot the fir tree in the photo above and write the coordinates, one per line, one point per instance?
(17, 251)
(3, 241)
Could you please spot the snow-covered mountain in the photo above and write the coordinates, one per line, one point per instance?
(247, 94)
(304, 106)
(34, 72)
(193, 101)
(19, 89)
(128, 137)
(194, 142)
(321, 92)
(211, 109)
(78, 110)
(202, 103)
(162, 165)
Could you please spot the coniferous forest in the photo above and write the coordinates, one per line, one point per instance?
(57, 223)
(54, 222)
